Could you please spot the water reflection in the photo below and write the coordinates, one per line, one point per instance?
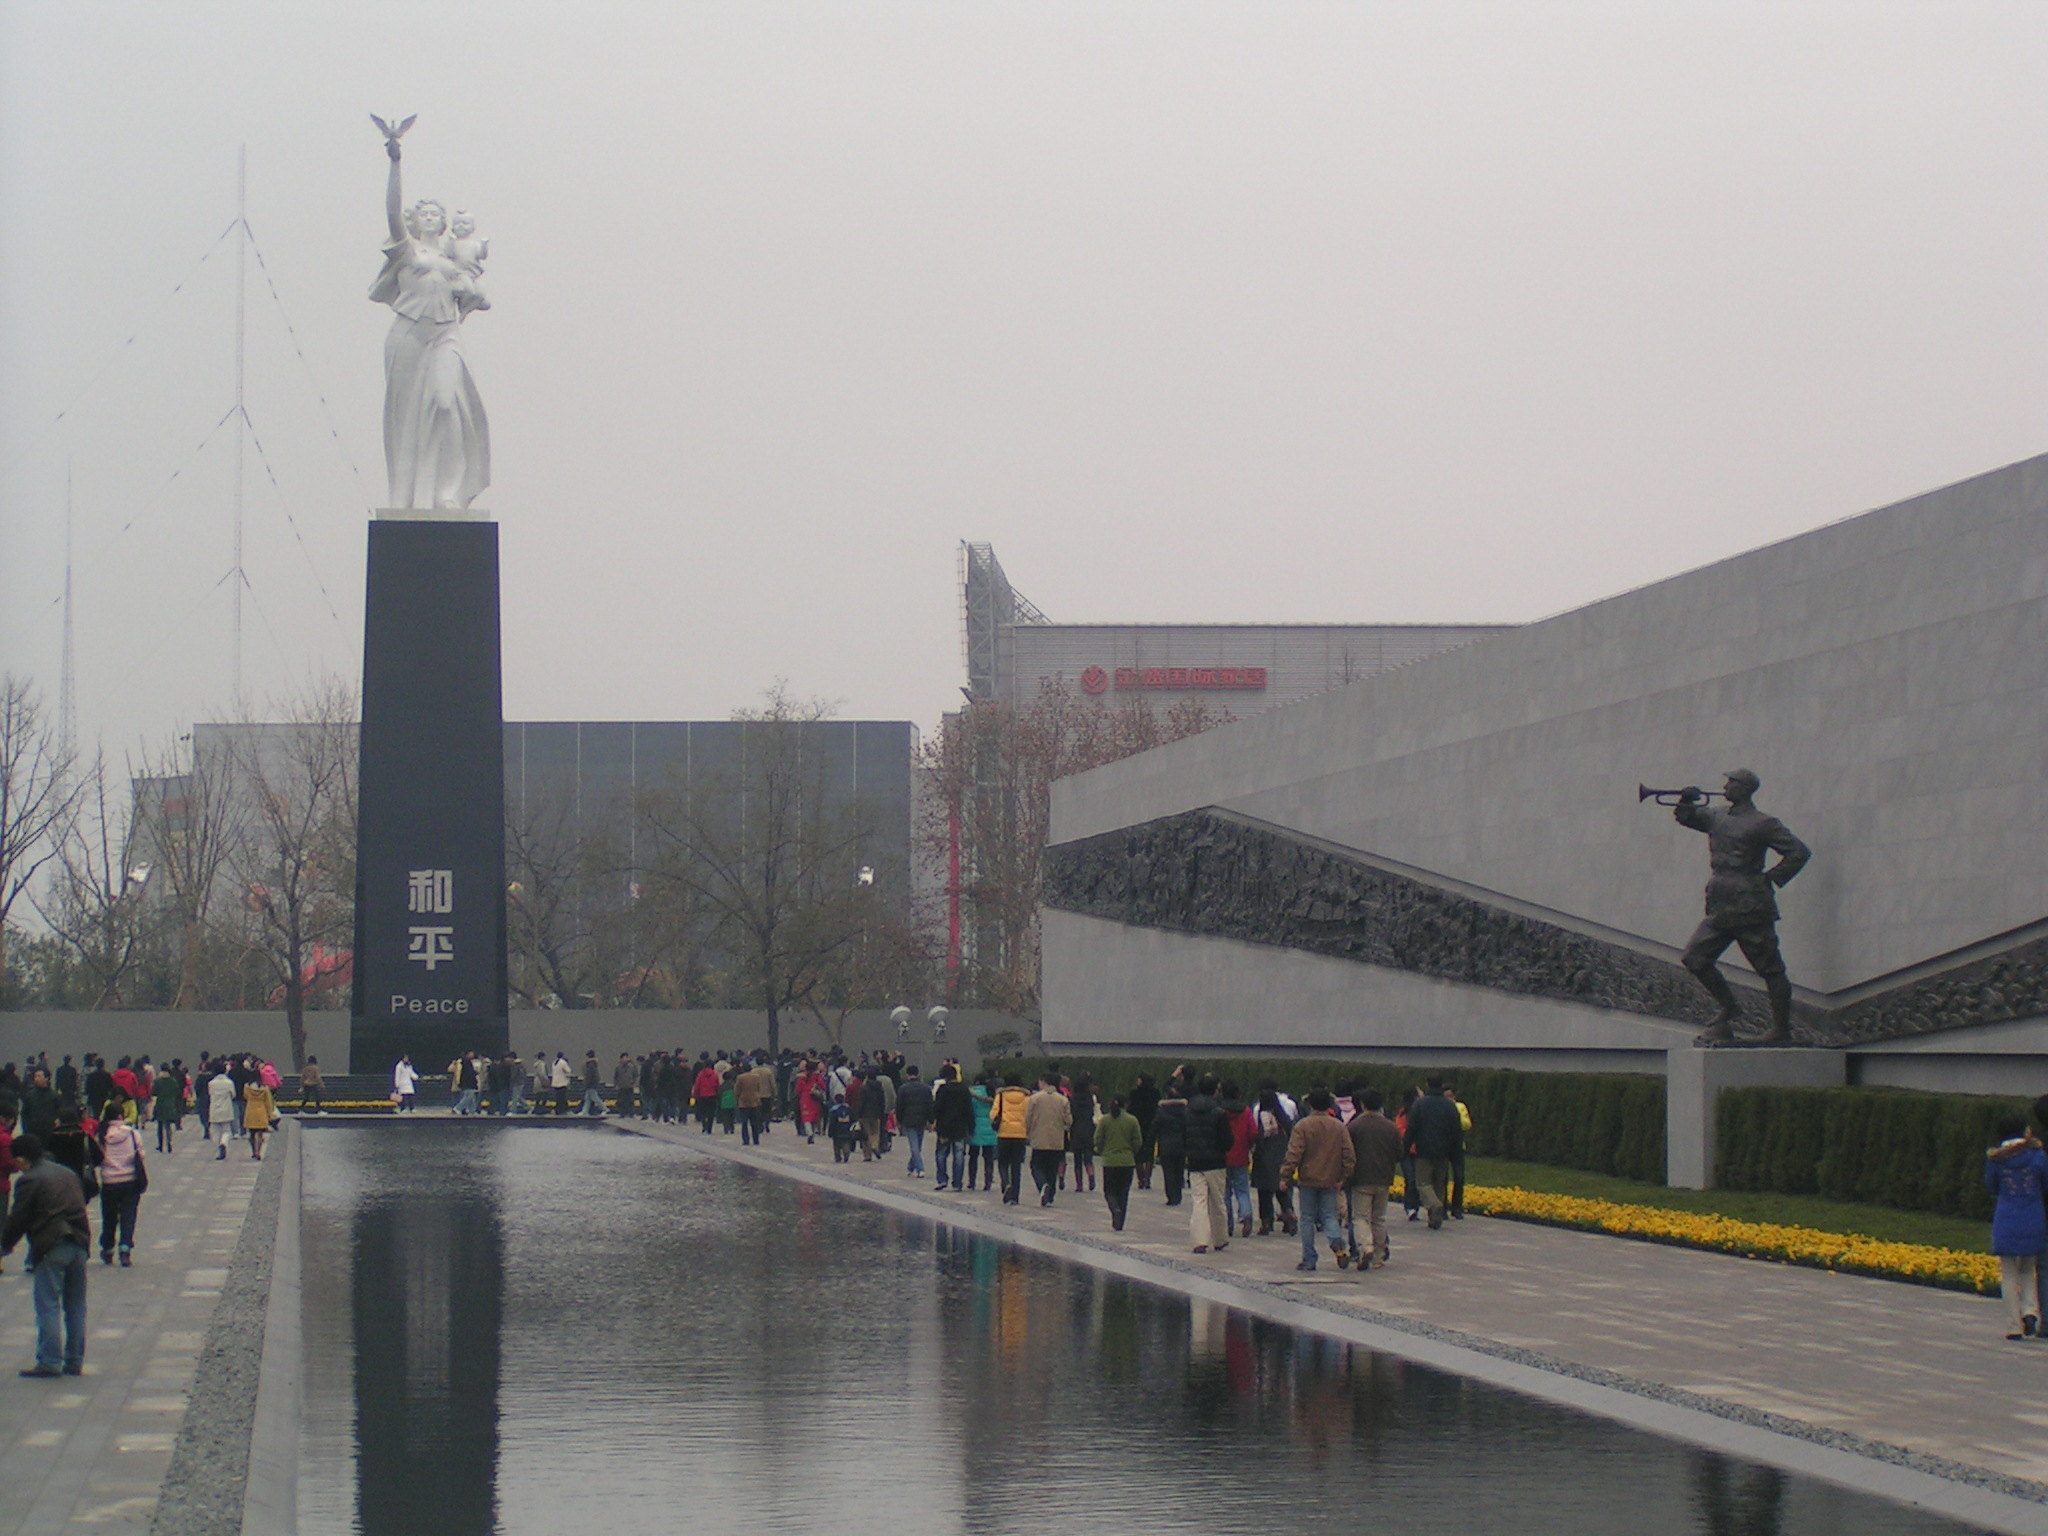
(428, 1278)
(673, 1341)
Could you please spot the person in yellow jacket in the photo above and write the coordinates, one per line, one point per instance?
(1009, 1113)
(259, 1114)
(1457, 1201)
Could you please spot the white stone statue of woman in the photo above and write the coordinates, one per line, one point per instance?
(437, 445)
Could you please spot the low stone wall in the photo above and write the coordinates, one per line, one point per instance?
(608, 1031)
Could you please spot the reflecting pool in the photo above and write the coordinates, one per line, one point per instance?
(549, 1329)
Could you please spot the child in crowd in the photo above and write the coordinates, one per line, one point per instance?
(2014, 1173)
(839, 1125)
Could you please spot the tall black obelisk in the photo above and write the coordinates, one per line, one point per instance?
(430, 863)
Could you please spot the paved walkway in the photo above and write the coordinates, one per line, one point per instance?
(88, 1453)
(1904, 1365)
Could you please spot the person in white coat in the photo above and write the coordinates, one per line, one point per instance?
(559, 1078)
(405, 1082)
(220, 1111)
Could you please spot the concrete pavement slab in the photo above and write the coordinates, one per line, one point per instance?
(90, 1454)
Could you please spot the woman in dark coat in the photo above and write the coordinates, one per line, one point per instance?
(1081, 1138)
(1170, 1136)
(1143, 1103)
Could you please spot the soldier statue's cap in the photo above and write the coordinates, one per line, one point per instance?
(1747, 775)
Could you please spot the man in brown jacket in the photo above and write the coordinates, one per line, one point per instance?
(1376, 1156)
(1319, 1161)
(746, 1100)
(1047, 1119)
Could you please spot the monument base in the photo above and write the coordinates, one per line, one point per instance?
(430, 964)
(1693, 1079)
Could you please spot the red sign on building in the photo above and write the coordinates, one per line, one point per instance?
(1204, 678)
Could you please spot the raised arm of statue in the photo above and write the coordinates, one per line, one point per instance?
(394, 199)
(394, 203)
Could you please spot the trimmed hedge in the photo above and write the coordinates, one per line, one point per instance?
(1878, 1146)
(1603, 1122)
(1874, 1146)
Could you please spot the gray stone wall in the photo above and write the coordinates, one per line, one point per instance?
(1882, 674)
(607, 1031)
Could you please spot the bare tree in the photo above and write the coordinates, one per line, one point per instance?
(990, 770)
(773, 866)
(37, 795)
(889, 962)
(95, 905)
(183, 828)
(291, 847)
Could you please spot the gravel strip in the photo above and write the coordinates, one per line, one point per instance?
(1797, 1429)
(202, 1492)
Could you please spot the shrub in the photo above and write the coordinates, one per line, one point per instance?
(1603, 1122)
(1879, 1146)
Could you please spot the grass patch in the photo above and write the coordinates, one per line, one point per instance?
(1878, 1222)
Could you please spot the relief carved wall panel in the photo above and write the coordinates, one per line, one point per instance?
(1211, 873)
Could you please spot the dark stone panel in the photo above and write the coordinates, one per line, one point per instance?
(1203, 872)
(1994, 990)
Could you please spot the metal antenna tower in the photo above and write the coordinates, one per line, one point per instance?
(235, 575)
(67, 676)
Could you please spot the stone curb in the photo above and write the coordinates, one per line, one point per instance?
(270, 1506)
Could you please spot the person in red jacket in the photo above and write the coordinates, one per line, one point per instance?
(704, 1090)
(810, 1100)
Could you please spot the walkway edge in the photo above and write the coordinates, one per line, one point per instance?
(203, 1489)
(1951, 1489)
(270, 1507)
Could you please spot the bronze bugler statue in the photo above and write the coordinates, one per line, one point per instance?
(1742, 906)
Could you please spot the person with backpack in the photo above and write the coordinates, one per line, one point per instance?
(124, 1179)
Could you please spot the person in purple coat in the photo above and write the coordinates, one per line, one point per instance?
(2015, 1173)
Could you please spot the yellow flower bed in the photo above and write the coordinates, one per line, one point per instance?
(1946, 1267)
(343, 1106)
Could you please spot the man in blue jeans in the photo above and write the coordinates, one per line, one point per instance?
(1320, 1162)
(913, 1116)
(49, 1210)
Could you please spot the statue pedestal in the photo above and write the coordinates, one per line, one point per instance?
(430, 958)
(1694, 1078)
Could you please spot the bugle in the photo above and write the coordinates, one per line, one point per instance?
(1676, 796)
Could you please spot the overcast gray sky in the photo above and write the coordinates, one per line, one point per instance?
(1262, 311)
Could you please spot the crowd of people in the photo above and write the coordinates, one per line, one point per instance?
(1242, 1164)
(72, 1133)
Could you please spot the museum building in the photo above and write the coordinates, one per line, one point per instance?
(1448, 861)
